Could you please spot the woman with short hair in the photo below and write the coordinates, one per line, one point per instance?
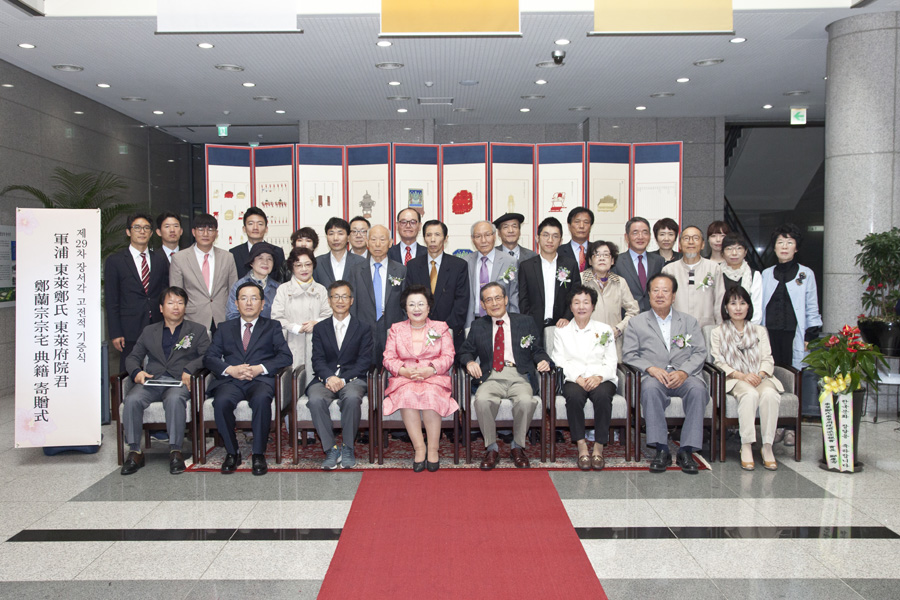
(614, 297)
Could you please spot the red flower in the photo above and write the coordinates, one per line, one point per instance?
(881, 285)
(847, 330)
(832, 341)
(851, 349)
(871, 288)
(860, 315)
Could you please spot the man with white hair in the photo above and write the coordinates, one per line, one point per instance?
(487, 265)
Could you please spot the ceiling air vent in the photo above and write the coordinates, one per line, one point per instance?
(435, 101)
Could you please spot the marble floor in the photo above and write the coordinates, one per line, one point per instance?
(72, 527)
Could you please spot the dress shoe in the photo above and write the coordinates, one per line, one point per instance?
(232, 462)
(433, 466)
(259, 464)
(418, 467)
(779, 435)
(770, 466)
(584, 463)
(134, 462)
(176, 462)
(661, 461)
(686, 461)
(490, 460)
(790, 438)
(598, 462)
(519, 459)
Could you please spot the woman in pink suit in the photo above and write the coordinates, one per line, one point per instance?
(419, 354)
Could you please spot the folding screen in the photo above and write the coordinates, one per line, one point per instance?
(229, 190)
(656, 180)
(608, 184)
(417, 180)
(273, 173)
(368, 177)
(464, 174)
(320, 186)
(560, 176)
(512, 185)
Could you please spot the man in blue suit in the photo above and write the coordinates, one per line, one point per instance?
(341, 357)
(245, 355)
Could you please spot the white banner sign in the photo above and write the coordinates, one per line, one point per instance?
(58, 328)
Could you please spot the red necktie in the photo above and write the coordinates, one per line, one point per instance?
(408, 256)
(642, 272)
(581, 263)
(145, 273)
(246, 339)
(499, 343)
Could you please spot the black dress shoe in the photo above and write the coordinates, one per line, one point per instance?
(433, 466)
(232, 462)
(686, 461)
(176, 463)
(259, 464)
(418, 467)
(490, 460)
(661, 461)
(134, 462)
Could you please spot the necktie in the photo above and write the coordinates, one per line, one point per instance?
(171, 254)
(246, 339)
(145, 273)
(483, 279)
(376, 283)
(511, 253)
(581, 263)
(206, 274)
(408, 256)
(642, 272)
(499, 343)
(433, 276)
(340, 334)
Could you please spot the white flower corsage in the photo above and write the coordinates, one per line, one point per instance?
(509, 275)
(562, 276)
(682, 341)
(395, 281)
(185, 342)
(431, 336)
(707, 281)
(527, 341)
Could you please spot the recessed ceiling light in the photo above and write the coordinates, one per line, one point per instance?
(541, 81)
(401, 110)
(158, 112)
(683, 79)
(708, 62)
(640, 108)
(103, 85)
(279, 112)
(205, 45)
(767, 106)
(6, 85)
(737, 40)
(825, 78)
(547, 64)
(248, 84)
(393, 83)
(227, 67)
(615, 126)
(462, 109)
(27, 46)
(580, 108)
(384, 43)
(398, 97)
(662, 95)
(265, 98)
(524, 110)
(133, 99)
(79, 112)
(533, 97)
(562, 42)
(388, 66)
(68, 68)
(171, 160)
(407, 129)
(468, 82)
(796, 93)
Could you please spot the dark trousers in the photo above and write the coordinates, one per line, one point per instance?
(601, 397)
(782, 343)
(259, 395)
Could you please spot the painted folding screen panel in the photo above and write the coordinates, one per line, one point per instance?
(369, 184)
(609, 190)
(560, 179)
(465, 177)
(512, 186)
(656, 177)
(273, 174)
(320, 185)
(417, 180)
(229, 190)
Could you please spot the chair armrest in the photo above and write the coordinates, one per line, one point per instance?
(284, 384)
(789, 378)
(199, 381)
(117, 385)
(299, 378)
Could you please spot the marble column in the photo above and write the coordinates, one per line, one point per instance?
(862, 145)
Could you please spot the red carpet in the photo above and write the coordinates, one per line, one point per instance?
(459, 534)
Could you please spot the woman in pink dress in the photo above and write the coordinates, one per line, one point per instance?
(419, 354)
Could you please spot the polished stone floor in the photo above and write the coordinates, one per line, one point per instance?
(72, 527)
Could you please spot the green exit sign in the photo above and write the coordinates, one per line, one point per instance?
(798, 116)
(223, 130)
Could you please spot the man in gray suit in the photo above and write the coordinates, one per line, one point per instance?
(173, 348)
(509, 226)
(637, 266)
(668, 348)
(488, 264)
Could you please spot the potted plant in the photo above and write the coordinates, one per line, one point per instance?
(879, 260)
(843, 362)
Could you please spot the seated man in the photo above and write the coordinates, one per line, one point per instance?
(667, 347)
(244, 357)
(341, 357)
(510, 343)
(174, 348)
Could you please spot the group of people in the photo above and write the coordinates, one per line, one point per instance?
(503, 313)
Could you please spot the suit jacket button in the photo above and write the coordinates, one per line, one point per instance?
(339, 366)
(417, 360)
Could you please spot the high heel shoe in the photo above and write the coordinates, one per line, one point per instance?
(418, 467)
(433, 466)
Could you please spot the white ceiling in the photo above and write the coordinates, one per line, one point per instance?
(328, 72)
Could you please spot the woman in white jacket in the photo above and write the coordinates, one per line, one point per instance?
(736, 271)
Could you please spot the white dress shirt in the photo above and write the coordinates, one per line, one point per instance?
(579, 353)
(243, 327)
(412, 250)
(665, 327)
(337, 266)
(212, 264)
(513, 251)
(507, 338)
(136, 257)
(169, 252)
(548, 271)
(340, 337)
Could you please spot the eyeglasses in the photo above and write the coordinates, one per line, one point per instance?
(416, 304)
(141, 228)
(359, 231)
(735, 249)
(692, 238)
(408, 223)
(492, 299)
(205, 230)
(340, 297)
(602, 255)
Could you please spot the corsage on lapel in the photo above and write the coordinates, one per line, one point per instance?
(707, 281)
(800, 278)
(185, 342)
(527, 341)
(509, 275)
(395, 281)
(431, 336)
(562, 276)
(601, 340)
(682, 340)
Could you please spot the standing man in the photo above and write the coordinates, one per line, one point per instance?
(667, 347)
(359, 236)
(134, 277)
(545, 280)
(638, 266)
(337, 263)
(378, 285)
(509, 343)
(696, 276)
(245, 355)
(580, 221)
(206, 273)
(173, 348)
(447, 277)
(256, 225)
(510, 228)
(488, 264)
(408, 225)
(168, 228)
(341, 357)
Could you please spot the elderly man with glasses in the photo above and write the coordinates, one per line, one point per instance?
(696, 277)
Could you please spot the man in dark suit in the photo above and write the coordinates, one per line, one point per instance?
(580, 221)
(509, 354)
(341, 357)
(637, 266)
(256, 225)
(338, 262)
(408, 224)
(173, 348)
(509, 228)
(549, 270)
(134, 278)
(378, 283)
(168, 228)
(245, 355)
(447, 277)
